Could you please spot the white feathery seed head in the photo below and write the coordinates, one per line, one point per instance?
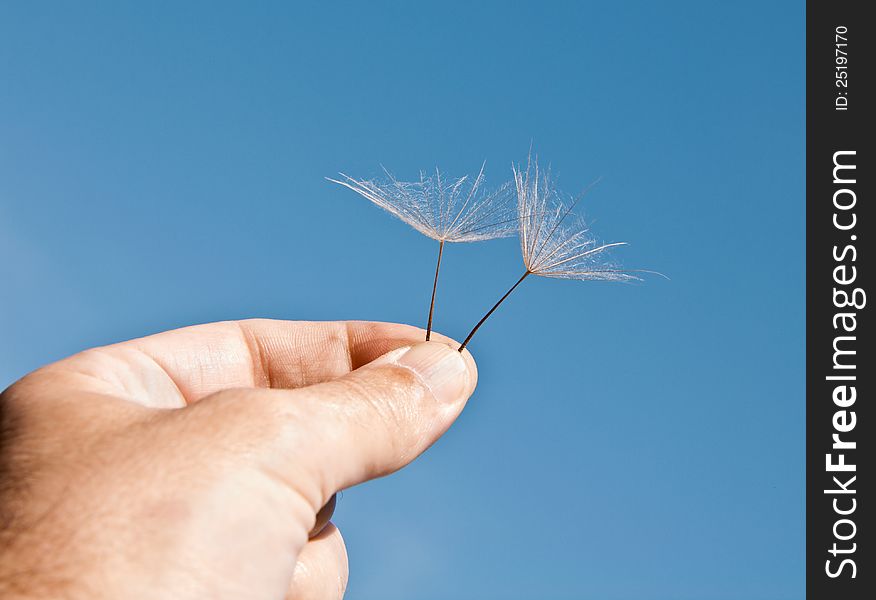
(444, 209)
(554, 242)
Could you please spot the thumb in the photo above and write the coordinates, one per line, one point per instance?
(366, 424)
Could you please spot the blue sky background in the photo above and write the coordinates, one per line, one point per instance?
(162, 164)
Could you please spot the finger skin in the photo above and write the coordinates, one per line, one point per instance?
(203, 359)
(365, 425)
(321, 571)
(323, 516)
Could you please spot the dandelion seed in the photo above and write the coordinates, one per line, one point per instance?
(553, 241)
(446, 210)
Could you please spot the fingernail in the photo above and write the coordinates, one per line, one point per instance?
(441, 368)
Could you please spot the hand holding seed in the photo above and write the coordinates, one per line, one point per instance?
(194, 463)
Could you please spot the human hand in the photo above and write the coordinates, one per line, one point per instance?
(193, 463)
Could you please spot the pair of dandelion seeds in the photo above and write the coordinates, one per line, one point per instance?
(554, 241)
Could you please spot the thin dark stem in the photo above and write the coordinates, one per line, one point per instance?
(491, 311)
(434, 290)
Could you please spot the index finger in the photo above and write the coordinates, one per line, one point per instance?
(204, 359)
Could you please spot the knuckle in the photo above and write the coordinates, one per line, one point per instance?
(389, 404)
(394, 396)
